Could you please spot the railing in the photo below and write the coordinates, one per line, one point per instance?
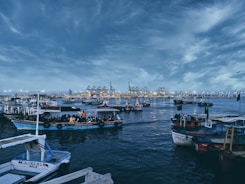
(90, 177)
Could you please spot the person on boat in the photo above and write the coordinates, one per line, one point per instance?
(118, 117)
(109, 118)
(83, 115)
(72, 119)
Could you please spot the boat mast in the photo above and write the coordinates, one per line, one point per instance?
(37, 122)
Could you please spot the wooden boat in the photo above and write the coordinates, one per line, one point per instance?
(185, 121)
(178, 101)
(183, 128)
(95, 118)
(131, 108)
(232, 157)
(214, 143)
(13, 108)
(189, 130)
(36, 163)
(92, 101)
(183, 101)
(203, 103)
(146, 104)
(181, 138)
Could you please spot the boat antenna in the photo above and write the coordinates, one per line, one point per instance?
(37, 122)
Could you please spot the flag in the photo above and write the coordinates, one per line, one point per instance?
(238, 97)
(179, 107)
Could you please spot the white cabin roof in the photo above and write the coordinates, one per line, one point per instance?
(13, 141)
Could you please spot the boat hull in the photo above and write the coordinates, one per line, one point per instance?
(34, 166)
(37, 163)
(207, 147)
(232, 162)
(31, 125)
(181, 138)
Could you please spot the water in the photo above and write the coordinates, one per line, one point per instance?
(141, 151)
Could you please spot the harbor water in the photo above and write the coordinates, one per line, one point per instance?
(142, 150)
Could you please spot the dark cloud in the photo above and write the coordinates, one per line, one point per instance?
(179, 45)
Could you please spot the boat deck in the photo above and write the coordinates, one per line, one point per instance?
(12, 178)
(50, 156)
(87, 174)
(12, 141)
(239, 153)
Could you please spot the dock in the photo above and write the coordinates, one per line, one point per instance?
(87, 174)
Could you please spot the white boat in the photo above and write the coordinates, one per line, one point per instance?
(13, 108)
(95, 119)
(87, 174)
(181, 138)
(198, 126)
(36, 163)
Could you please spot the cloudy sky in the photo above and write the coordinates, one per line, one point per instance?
(194, 45)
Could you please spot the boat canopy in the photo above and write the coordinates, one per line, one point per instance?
(231, 119)
(13, 141)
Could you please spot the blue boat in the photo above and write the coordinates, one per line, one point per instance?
(95, 119)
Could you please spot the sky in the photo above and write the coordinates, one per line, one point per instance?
(190, 45)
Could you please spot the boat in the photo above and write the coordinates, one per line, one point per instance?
(131, 108)
(177, 101)
(13, 108)
(203, 103)
(189, 102)
(95, 119)
(137, 105)
(92, 101)
(146, 104)
(232, 157)
(212, 144)
(87, 175)
(105, 104)
(36, 163)
(180, 101)
(191, 129)
(183, 128)
(185, 121)
(17, 107)
(69, 100)
(181, 137)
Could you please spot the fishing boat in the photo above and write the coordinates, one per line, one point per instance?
(181, 137)
(13, 108)
(185, 121)
(212, 144)
(231, 156)
(183, 128)
(203, 103)
(132, 108)
(95, 119)
(146, 104)
(36, 163)
(92, 101)
(191, 130)
(180, 101)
